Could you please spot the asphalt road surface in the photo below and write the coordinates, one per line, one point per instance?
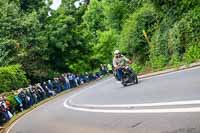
(168, 103)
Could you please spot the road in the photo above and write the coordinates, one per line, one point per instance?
(168, 103)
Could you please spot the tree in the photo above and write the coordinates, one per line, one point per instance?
(66, 45)
(115, 11)
(132, 39)
(30, 5)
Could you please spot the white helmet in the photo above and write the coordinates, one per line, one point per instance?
(117, 52)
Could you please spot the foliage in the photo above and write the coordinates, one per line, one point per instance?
(192, 54)
(65, 44)
(115, 11)
(94, 17)
(137, 68)
(105, 45)
(133, 5)
(158, 62)
(12, 77)
(175, 8)
(185, 31)
(175, 61)
(132, 39)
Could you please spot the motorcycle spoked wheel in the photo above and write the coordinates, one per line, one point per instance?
(134, 78)
(125, 80)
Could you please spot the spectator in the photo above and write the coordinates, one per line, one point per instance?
(19, 102)
(50, 85)
(71, 80)
(102, 69)
(33, 92)
(22, 96)
(67, 81)
(109, 66)
(64, 82)
(57, 85)
(4, 109)
(46, 89)
(86, 77)
(42, 91)
(28, 97)
(105, 68)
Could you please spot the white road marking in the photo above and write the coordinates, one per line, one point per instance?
(137, 111)
(192, 102)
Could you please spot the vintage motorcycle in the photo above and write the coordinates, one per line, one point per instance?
(129, 76)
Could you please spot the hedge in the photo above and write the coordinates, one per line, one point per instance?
(11, 78)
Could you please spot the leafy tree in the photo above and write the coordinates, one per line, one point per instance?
(132, 38)
(114, 11)
(30, 5)
(94, 17)
(66, 46)
(105, 46)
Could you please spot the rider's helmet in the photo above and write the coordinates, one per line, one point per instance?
(116, 52)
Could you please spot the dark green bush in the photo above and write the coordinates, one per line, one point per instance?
(132, 39)
(12, 77)
(175, 8)
(185, 32)
(172, 39)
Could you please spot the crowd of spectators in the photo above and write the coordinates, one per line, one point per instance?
(24, 98)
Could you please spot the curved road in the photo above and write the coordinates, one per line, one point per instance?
(168, 103)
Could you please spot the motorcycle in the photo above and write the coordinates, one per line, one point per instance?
(128, 76)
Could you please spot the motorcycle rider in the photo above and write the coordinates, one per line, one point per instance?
(120, 61)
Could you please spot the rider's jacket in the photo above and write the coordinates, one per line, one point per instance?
(120, 61)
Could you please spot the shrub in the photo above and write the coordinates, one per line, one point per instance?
(158, 62)
(175, 60)
(137, 68)
(160, 39)
(192, 54)
(184, 32)
(173, 38)
(12, 77)
(132, 39)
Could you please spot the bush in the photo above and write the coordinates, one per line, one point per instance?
(192, 54)
(172, 39)
(184, 32)
(132, 39)
(137, 68)
(12, 77)
(158, 62)
(175, 61)
(160, 39)
(175, 8)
